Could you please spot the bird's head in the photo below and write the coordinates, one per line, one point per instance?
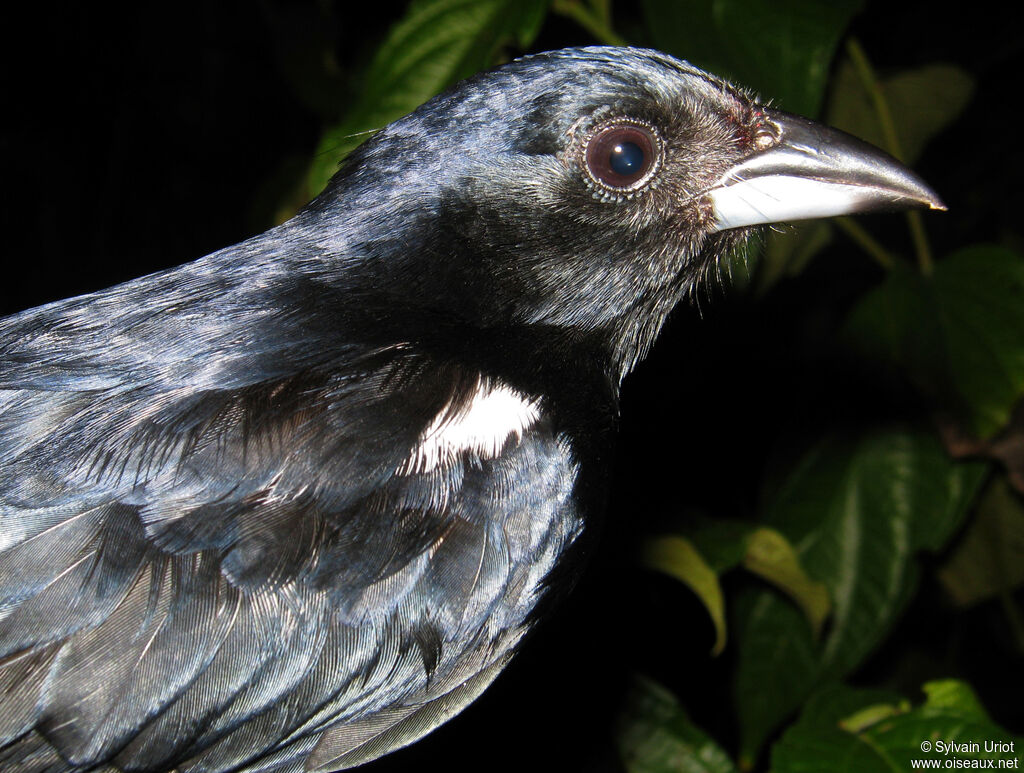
(578, 195)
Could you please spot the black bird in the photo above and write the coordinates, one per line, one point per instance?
(293, 505)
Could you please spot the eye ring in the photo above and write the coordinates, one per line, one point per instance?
(622, 156)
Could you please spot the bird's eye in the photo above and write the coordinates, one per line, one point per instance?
(622, 157)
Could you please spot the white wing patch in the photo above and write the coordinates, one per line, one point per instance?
(482, 426)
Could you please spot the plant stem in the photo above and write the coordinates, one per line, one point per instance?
(603, 10)
(921, 248)
(874, 89)
(595, 20)
(866, 242)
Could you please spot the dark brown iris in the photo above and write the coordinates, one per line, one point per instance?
(621, 156)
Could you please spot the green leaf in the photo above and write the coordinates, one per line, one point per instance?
(781, 49)
(810, 744)
(923, 102)
(771, 556)
(713, 546)
(896, 324)
(435, 44)
(721, 542)
(655, 736)
(981, 292)
(888, 736)
(857, 510)
(677, 557)
(958, 335)
(864, 718)
(987, 560)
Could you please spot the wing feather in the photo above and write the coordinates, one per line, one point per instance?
(218, 580)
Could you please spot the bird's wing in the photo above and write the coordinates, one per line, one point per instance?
(216, 575)
(349, 745)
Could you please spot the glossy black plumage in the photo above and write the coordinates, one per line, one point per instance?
(241, 529)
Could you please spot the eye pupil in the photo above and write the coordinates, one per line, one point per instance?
(627, 158)
(622, 156)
